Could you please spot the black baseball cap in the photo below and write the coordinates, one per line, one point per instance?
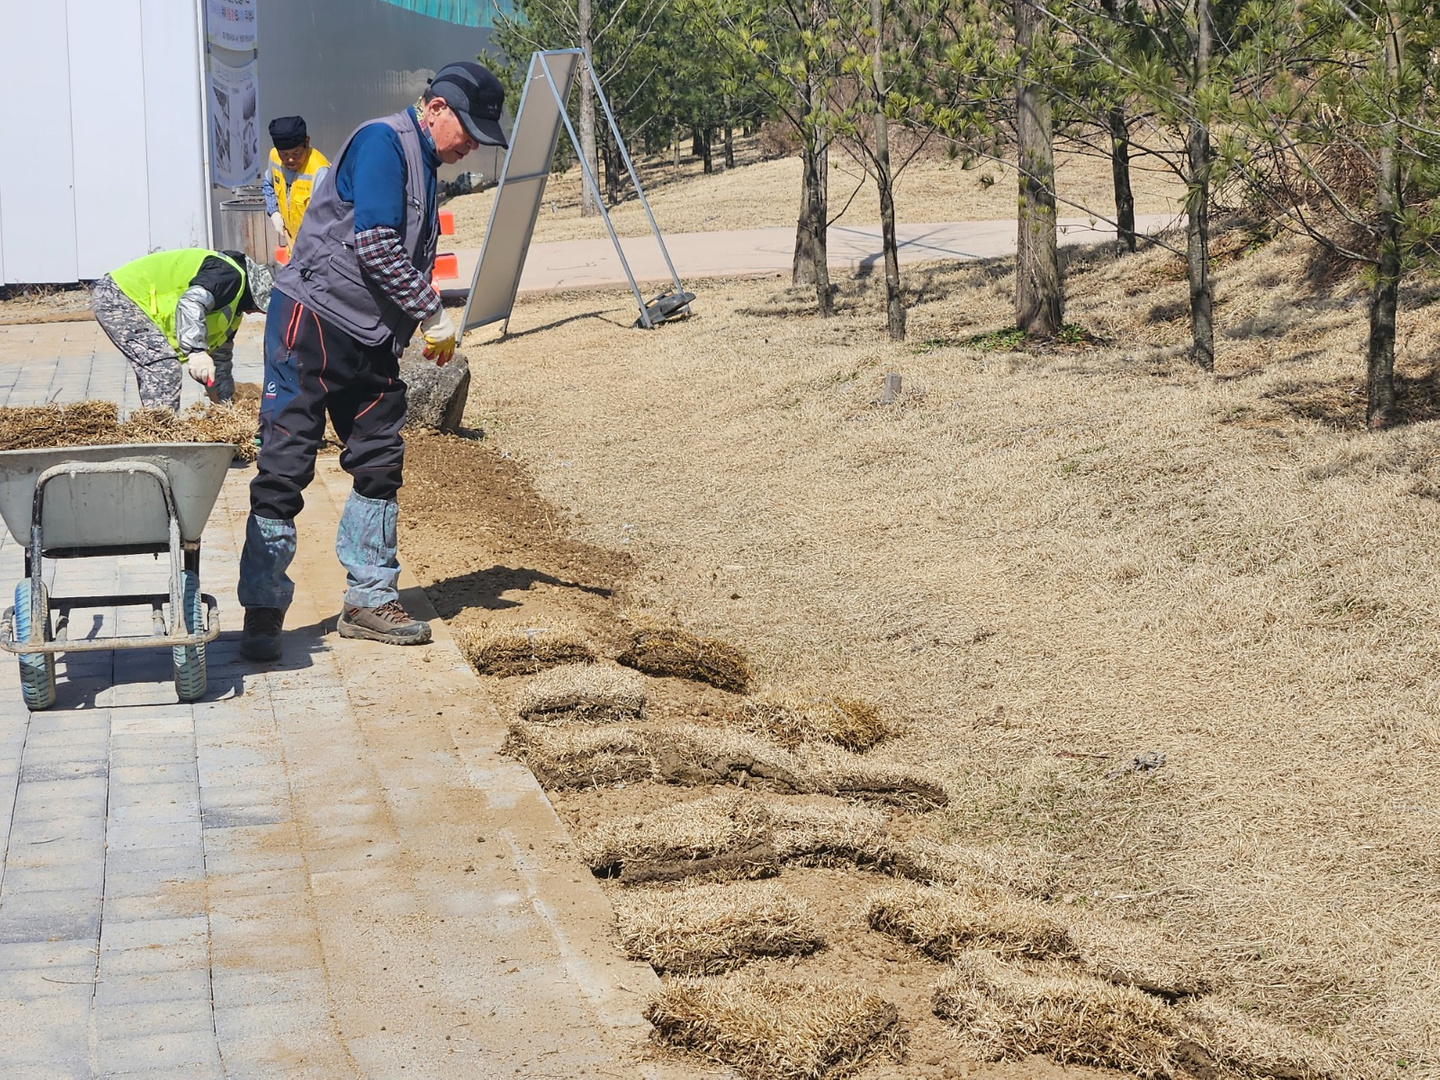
(287, 132)
(475, 96)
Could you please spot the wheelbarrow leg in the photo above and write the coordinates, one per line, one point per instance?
(32, 622)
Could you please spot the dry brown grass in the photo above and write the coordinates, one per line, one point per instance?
(847, 722)
(581, 757)
(1145, 957)
(769, 1029)
(689, 754)
(581, 694)
(1247, 1046)
(1007, 1014)
(1085, 555)
(829, 833)
(1050, 562)
(710, 929)
(945, 922)
(506, 650)
(95, 423)
(839, 772)
(671, 651)
(1027, 871)
(723, 837)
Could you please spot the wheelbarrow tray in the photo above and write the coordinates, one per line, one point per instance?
(122, 511)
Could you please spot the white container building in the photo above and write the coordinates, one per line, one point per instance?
(126, 124)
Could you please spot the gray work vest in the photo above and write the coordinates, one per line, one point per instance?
(323, 272)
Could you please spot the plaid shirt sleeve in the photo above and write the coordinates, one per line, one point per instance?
(384, 261)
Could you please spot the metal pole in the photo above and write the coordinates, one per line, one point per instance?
(634, 179)
(594, 187)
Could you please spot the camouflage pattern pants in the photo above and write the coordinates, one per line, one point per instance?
(156, 367)
(141, 342)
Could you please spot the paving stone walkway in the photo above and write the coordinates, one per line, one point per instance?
(324, 869)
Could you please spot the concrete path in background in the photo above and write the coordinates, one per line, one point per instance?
(324, 869)
(574, 264)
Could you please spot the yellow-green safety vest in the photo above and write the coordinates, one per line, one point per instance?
(296, 198)
(156, 283)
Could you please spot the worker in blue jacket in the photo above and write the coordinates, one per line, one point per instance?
(356, 288)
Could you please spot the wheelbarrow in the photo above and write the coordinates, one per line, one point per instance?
(86, 501)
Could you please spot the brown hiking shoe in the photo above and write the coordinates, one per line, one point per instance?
(260, 640)
(389, 623)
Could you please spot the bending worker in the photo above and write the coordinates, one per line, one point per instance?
(345, 306)
(176, 308)
(296, 170)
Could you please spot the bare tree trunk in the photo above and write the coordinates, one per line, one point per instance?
(587, 113)
(894, 299)
(729, 145)
(1039, 296)
(706, 137)
(1197, 230)
(1384, 297)
(811, 256)
(1120, 174)
(614, 170)
(810, 265)
(1120, 166)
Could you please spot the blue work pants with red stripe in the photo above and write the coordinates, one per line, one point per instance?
(314, 369)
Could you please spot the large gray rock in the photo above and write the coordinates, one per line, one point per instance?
(435, 396)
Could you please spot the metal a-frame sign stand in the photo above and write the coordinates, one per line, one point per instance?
(518, 198)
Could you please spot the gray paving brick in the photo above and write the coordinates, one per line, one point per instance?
(164, 891)
(251, 848)
(234, 987)
(46, 955)
(51, 1030)
(87, 877)
(183, 863)
(183, 984)
(152, 1017)
(173, 1050)
(216, 1071)
(43, 916)
(62, 792)
(42, 772)
(123, 836)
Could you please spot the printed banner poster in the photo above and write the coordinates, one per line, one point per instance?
(234, 132)
(230, 24)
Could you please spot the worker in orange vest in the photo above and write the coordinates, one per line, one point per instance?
(296, 169)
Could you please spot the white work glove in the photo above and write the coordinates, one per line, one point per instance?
(201, 366)
(439, 331)
(278, 221)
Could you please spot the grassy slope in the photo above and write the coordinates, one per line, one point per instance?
(1053, 561)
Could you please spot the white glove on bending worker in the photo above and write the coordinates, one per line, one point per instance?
(278, 220)
(439, 331)
(201, 366)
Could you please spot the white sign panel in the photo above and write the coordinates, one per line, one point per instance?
(234, 132)
(230, 24)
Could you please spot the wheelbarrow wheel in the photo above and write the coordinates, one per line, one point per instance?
(37, 670)
(190, 676)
